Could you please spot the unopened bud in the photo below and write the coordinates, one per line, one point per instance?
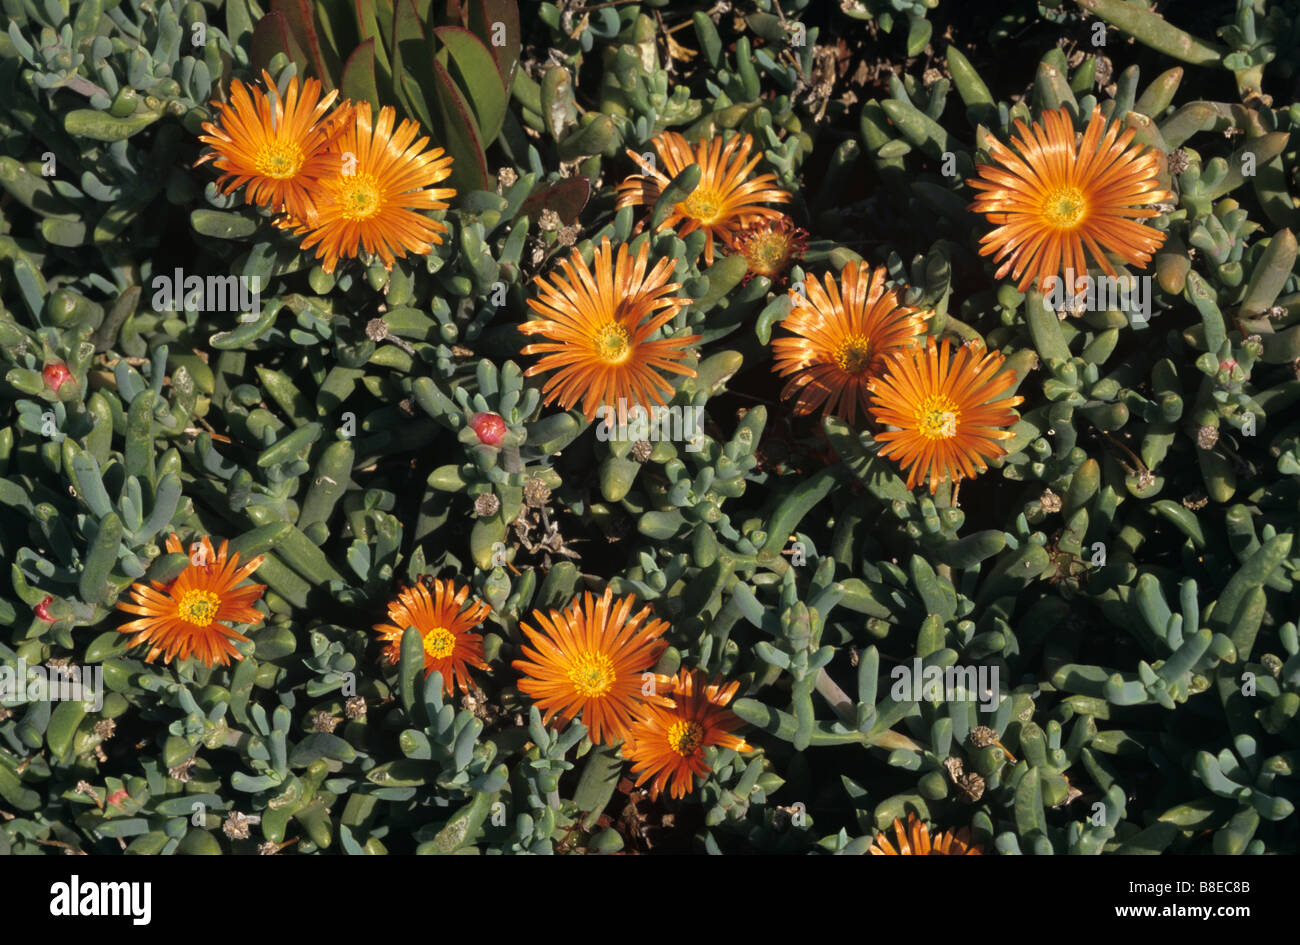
(491, 429)
(56, 374)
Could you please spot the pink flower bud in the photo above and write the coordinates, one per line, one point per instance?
(491, 429)
(56, 374)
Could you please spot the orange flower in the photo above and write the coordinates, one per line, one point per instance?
(722, 202)
(915, 841)
(1053, 200)
(444, 621)
(378, 183)
(601, 320)
(278, 148)
(844, 334)
(589, 660)
(184, 618)
(948, 410)
(770, 247)
(667, 743)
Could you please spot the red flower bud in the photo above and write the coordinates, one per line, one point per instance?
(43, 610)
(491, 429)
(56, 374)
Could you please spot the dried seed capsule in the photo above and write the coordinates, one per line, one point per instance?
(971, 787)
(536, 493)
(236, 826)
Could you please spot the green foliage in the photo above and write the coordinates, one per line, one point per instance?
(1128, 569)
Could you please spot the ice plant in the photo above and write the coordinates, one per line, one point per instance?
(770, 247)
(379, 182)
(189, 616)
(277, 147)
(948, 410)
(445, 620)
(599, 322)
(725, 200)
(843, 336)
(588, 661)
(915, 840)
(1057, 203)
(489, 427)
(666, 742)
(43, 609)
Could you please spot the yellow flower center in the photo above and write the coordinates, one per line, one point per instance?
(685, 738)
(359, 197)
(439, 643)
(937, 418)
(704, 204)
(1065, 208)
(279, 160)
(613, 343)
(592, 675)
(853, 354)
(199, 607)
(768, 253)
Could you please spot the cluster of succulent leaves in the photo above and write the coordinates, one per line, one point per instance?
(1130, 575)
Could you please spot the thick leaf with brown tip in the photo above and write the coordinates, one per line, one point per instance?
(368, 15)
(298, 18)
(358, 81)
(457, 132)
(411, 81)
(483, 16)
(271, 36)
(470, 63)
(407, 34)
(566, 198)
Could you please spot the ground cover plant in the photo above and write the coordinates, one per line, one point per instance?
(511, 427)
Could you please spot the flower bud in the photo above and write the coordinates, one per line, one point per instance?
(491, 429)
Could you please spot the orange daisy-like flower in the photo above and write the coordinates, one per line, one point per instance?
(770, 247)
(1055, 201)
(724, 201)
(277, 147)
(915, 840)
(667, 742)
(589, 660)
(445, 620)
(949, 411)
(844, 334)
(601, 320)
(185, 618)
(378, 182)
